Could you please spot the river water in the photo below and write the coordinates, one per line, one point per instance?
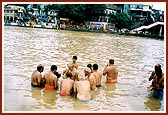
(135, 57)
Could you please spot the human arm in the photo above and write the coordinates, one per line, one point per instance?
(39, 78)
(151, 76)
(76, 66)
(55, 82)
(105, 70)
(116, 73)
(74, 88)
(64, 72)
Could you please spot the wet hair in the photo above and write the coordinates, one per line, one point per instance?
(69, 74)
(111, 61)
(40, 68)
(95, 66)
(57, 74)
(74, 57)
(53, 67)
(158, 70)
(89, 65)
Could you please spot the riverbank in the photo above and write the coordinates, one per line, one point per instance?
(118, 33)
(96, 31)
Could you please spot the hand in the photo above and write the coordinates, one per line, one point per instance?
(149, 88)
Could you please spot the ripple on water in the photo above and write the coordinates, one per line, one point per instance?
(134, 57)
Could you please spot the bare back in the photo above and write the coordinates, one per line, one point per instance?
(51, 79)
(66, 86)
(83, 90)
(111, 71)
(36, 78)
(92, 81)
(98, 76)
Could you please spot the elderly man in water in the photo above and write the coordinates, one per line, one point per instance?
(111, 71)
(66, 86)
(91, 78)
(36, 77)
(82, 88)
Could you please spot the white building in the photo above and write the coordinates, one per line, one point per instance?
(12, 13)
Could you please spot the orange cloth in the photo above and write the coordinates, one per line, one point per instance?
(49, 87)
(111, 81)
(64, 94)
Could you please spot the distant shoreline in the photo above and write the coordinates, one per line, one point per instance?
(97, 31)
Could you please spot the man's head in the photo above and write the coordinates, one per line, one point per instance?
(158, 70)
(53, 68)
(69, 74)
(40, 68)
(57, 74)
(74, 58)
(87, 71)
(95, 67)
(111, 61)
(89, 65)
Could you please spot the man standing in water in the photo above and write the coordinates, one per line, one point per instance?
(51, 79)
(66, 86)
(82, 88)
(111, 72)
(97, 74)
(74, 63)
(36, 77)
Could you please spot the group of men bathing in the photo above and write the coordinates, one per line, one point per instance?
(80, 84)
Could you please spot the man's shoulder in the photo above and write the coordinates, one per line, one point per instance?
(92, 76)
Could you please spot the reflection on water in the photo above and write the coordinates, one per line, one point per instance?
(135, 57)
(153, 104)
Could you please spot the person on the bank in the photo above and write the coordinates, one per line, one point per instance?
(36, 77)
(157, 85)
(111, 72)
(72, 70)
(66, 85)
(90, 78)
(82, 89)
(97, 74)
(51, 79)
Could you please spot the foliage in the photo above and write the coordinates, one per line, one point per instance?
(121, 20)
(81, 12)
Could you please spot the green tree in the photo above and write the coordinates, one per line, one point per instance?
(122, 21)
(81, 12)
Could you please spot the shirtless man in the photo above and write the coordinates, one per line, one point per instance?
(74, 63)
(111, 72)
(36, 77)
(97, 74)
(90, 78)
(66, 85)
(51, 79)
(82, 88)
(72, 70)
